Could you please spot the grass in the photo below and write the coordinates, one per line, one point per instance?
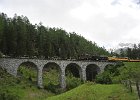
(26, 89)
(20, 88)
(28, 93)
(90, 91)
(25, 86)
(132, 64)
(25, 92)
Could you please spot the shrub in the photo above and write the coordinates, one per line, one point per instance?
(6, 95)
(110, 74)
(53, 88)
(104, 78)
(73, 82)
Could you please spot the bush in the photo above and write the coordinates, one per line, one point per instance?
(110, 74)
(53, 88)
(6, 95)
(116, 79)
(104, 78)
(6, 78)
(73, 82)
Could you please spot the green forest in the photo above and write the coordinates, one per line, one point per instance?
(132, 53)
(19, 37)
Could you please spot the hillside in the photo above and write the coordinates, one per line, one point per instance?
(12, 88)
(24, 86)
(18, 37)
(91, 91)
(131, 71)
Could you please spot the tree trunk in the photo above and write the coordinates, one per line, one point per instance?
(130, 86)
(137, 85)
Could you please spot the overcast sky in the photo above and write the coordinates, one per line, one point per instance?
(107, 22)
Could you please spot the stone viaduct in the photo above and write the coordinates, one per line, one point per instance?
(12, 64)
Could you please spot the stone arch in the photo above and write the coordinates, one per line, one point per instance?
(52, 63)
(75, 69)
(54, 69)
(25, 62)
(91, 71)
(28, 70)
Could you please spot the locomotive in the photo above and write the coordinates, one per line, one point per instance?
(93, 58)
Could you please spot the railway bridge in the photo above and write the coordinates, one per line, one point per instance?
(12, 65)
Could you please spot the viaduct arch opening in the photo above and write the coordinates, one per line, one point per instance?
(91, 71)
(73, 75)
(74, 70)
(51, 75)
(27, 72)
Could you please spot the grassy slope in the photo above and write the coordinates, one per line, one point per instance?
(28, 93)
(136, 66)
(132, 64)
(87, 91)
(90, 91)
(22, 89)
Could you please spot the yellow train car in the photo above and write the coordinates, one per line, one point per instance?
(111, 58)
(134, 60)
(125, 59)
